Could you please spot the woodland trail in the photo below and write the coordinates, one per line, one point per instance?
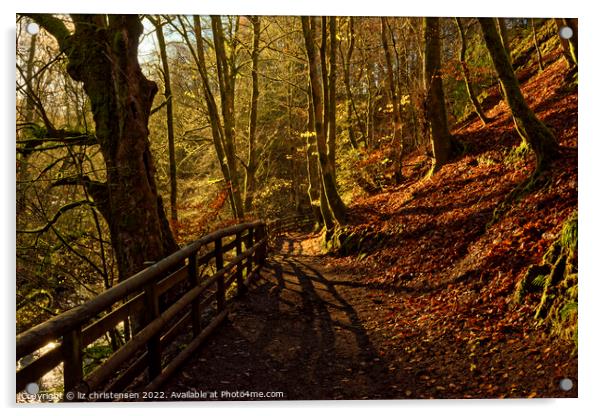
(297, 331)
(312, 334)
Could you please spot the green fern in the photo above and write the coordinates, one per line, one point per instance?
(540, 281)
(567, 309)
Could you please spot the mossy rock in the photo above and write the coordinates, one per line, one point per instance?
(346, 241)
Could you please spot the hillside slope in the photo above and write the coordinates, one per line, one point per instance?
(451, 263)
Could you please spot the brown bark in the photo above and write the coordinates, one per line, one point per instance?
(436, 117)
(346, 64)
(466, 72)
(252, 153)
(331, 202)
(573, 24)
(536, 43)
(173, 181)
(226, 78)
(102, 53)
(503, 33)
(533, 132)
(313, 168)
(394, 100)
(332, 82)
(29, 103)
(217, 130)
(564, 43)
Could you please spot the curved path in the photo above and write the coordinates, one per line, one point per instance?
(297, 331)
(300, 334)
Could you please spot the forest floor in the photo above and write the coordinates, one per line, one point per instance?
(424, 308)
(316, 335)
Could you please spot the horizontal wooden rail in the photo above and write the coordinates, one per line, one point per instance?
(138, 299)
(287, 223)
(275, 228)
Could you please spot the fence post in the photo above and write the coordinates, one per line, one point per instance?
(219, 265)
(73, 372)
(154, 344)
(193, 279)
(240, 285)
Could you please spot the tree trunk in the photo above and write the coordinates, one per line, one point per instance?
(292, 140)
(173, 194)
(436, 117)
(529, 127)
(331, 197)
(102, 53)
(536, 43)
(226, 78)
(346, 61)
(29, 103)
(397, 143)
(29, 117)
(252, 156)
(313, 169)
(573, 24)
(217, 130)
(370, 113)
(465, 71)
(564, 43)
(503, 33)
(332, 93)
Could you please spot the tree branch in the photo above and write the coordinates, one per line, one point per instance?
(160, 106)
(97, 190)
(52, 25)
(56, 216)
(62, 136)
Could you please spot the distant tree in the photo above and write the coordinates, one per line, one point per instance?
(533, 132)
(227, 72)
(466, 72)
(218, 131)
(330, 201)
(251, 165)
(536, 44)
(346, 57)
(574, 25)
(331, 85)
(564, 43)
(169, 100)
(394, 100)
(436, 118)
(314, 182)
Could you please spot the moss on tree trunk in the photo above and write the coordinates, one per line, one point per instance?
(465, 71)
(331, 201)
(533, 132)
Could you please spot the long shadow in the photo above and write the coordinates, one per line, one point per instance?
(366, 363)
(363, 341)
(294, 332)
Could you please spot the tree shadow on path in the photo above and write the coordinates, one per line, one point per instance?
(294, 332)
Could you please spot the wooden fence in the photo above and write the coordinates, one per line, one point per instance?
(166, 298)
(294, 222)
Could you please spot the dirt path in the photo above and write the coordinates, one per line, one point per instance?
(315, 335)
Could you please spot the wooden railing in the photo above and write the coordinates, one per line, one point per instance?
(167, 298)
